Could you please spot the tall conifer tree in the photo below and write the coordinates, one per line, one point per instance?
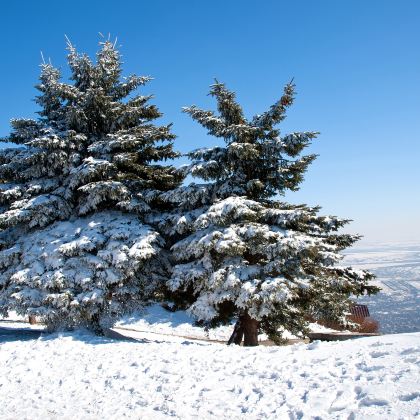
(74, 194)
(238, 251)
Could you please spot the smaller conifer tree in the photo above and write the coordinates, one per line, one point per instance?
(238, 251)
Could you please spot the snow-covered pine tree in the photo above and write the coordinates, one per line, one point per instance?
(238, 251)
(75, 249)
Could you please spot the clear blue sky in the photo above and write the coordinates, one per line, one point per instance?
(356, 65)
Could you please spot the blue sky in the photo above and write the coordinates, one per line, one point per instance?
(356, 65)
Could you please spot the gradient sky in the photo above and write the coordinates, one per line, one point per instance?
(356, 65)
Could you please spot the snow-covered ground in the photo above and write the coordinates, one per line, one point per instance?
(155, 320)
(168, 368)
(397, 267)
(81, 376)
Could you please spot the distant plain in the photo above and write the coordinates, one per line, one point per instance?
(397, 267)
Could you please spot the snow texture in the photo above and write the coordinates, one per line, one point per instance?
(82, 376)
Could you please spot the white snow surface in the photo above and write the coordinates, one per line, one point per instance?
(78, 375)
(157, 320)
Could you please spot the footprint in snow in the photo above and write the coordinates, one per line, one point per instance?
(409, 397)
(368, 401)
(410, 350)
(411, 360)
(337, 407)
(319, 360)
(362, 366)
(359, 392)
(376, 354)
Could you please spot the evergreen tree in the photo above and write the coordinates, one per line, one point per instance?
(74, 194)
(238, 251)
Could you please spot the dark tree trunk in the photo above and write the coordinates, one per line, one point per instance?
(96, 326)
(250, 327)
(245, 328)
(237, 335)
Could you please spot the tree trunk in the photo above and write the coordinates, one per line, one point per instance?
(250, 327)
(96, 326)
(237, 335)
(246, 328)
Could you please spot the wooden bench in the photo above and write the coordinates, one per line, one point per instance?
(360, 311)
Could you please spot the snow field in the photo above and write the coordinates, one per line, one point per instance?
(86, 377)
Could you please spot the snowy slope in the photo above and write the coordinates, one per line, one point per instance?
(81, 376)
(157, 320)
(397, 267)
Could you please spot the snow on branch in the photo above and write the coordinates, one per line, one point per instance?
(68, 271)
